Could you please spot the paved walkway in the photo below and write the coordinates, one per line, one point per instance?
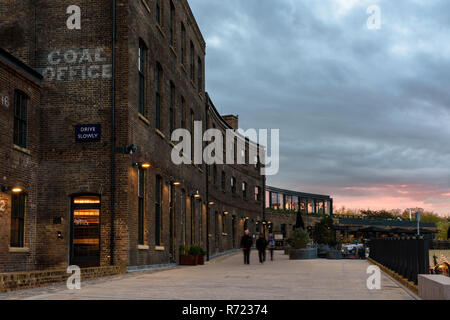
(228, 278)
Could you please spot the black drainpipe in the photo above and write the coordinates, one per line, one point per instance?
(207, 186)
(113, 131)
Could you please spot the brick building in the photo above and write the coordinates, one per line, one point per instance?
(20, 94)
(132, 74)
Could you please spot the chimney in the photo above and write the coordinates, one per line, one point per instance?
(232, 120)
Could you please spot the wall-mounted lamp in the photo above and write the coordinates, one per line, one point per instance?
(211, 203)
(12, 189)
(175, 183)
(225, 212)
(197, 195)
(127, 150)
(142, 165)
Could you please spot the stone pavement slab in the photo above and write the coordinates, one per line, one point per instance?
(228, 278)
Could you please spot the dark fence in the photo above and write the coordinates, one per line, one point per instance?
(407, 256)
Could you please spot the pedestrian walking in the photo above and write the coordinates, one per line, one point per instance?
(271, 246)
(246, 245)
(261, 245)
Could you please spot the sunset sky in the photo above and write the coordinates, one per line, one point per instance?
(363, 114)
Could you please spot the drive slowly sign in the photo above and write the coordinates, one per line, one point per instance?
(88, 132)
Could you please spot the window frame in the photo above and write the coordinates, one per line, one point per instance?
(20, 131)
(18, 212)
(141, 206)
(158, 209)
(142, 63)
(159, 77)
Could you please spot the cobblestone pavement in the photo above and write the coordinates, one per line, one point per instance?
(228, 278)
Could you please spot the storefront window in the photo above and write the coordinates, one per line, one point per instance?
(85, 249)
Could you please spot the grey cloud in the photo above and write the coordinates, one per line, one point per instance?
(355, 107)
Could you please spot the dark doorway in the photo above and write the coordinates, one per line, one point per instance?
(85, 231)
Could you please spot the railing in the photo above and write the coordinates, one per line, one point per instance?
(407, 256)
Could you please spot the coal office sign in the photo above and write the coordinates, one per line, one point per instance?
(88, 132)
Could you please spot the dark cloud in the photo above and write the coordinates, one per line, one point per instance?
(355, 107)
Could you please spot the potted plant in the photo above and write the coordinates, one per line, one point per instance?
(299, 241)
(325, 236)
(198, 253)
(186, 258)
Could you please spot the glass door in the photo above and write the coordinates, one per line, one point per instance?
(85, 232)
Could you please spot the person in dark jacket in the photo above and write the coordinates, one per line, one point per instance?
(246, 245)
(261, 245)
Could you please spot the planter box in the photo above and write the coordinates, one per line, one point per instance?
(334, 254)
(188, 260)
(303, 254)
(200, 260)
(323, 249)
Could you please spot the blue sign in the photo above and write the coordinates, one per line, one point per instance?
(88, 132)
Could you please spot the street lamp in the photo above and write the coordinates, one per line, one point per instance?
(14, 189)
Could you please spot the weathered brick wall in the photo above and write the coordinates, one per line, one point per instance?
(77, 68)
(18, 166)
(27, 280)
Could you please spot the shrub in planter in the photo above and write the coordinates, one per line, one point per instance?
(186, 258)
(198, 253)
(299, 242)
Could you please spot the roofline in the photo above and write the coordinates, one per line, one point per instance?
(298, 193)
(22, 67)
(196, 27)
(226, 124)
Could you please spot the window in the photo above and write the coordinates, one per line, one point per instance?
(192, 134)
(141, 192)
(183, 217)
(142, 54)
(172, 24)
(172, 107)
(183, 44)
(159, 84)
(199, 75)
(223, 180)
(192, 62)
(158, 11)
(192, 220)
(233, 185)
(257, 193)
(183, 113)
(17, 220)
(244, 190)
(20, 119)
(224, 223)
(158, 192)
